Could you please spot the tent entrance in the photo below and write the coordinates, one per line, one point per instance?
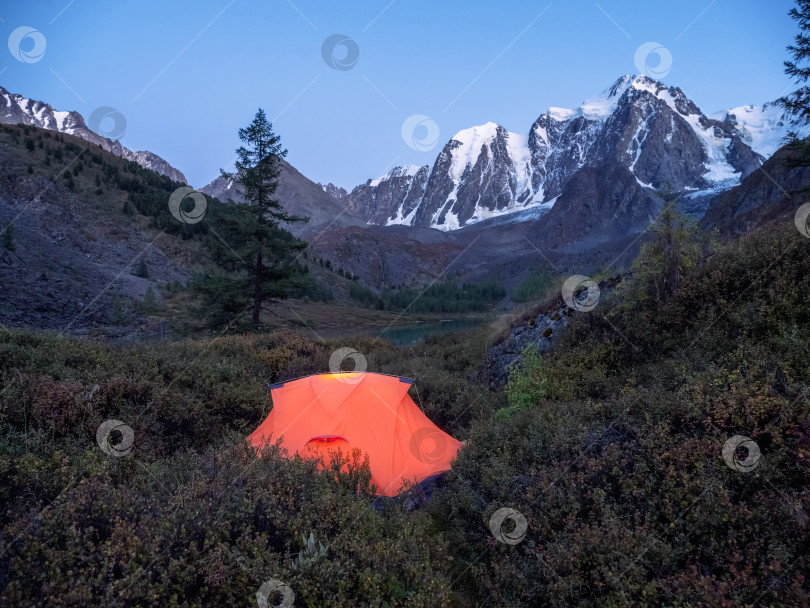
(323, 444)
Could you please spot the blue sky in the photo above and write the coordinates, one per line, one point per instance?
(187, 75)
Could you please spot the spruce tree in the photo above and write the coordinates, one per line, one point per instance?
(142, 270)
(261, 248)
(797, 103)
(149, 302)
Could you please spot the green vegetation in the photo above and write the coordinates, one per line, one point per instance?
(527, 385)
(192, 517)
(610, 446)
(257, 251)
(149, 302)
(534, 287)
(142, 269)
(797, 103)
(224, 285)
(119, 314)
(445, 297)
(8, 237)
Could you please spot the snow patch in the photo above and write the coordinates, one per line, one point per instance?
(598, 108)
(517, 147)
(482, 214)
(642, 131)
(718, 170)
(399, 171)
(603, 106)
(60, 120)
(643, 83)
(450, 222)
(764, 127)
(404, 220)
(511, 216)
(561, 114)
(472, 140)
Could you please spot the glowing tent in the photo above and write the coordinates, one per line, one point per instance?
(372, 412)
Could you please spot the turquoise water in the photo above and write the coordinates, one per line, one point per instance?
(404, 335)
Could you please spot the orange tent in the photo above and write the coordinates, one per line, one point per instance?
(363, 410)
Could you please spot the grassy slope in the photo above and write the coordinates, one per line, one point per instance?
(102, 204)
(614, 451)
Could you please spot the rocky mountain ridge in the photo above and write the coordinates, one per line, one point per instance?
(299, 196)
(653, 131)
(16, 109)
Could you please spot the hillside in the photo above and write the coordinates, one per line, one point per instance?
(93, 249)
(77, 235)
(770, 195)
(610, 448)
(300, 196)
(19, 110)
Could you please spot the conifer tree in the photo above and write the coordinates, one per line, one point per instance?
(262, 251)
(797, 103)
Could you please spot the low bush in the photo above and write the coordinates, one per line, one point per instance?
(612, 448)
(191, 517)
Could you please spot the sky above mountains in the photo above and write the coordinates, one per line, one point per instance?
(357, 88)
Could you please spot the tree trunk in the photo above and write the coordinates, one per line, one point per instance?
(257, 288)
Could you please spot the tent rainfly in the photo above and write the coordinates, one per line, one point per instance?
(347, 410)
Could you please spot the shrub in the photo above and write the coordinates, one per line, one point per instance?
(191, 516)
(8, 237)
(612, 447)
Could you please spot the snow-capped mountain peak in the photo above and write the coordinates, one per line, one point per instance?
(763, 127)
(398, 171)
(470, 143)
(16, 109)
(652, 130)
(603, 106)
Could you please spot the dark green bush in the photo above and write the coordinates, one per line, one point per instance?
(191, 517)
(610, 445)
(614, 451)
